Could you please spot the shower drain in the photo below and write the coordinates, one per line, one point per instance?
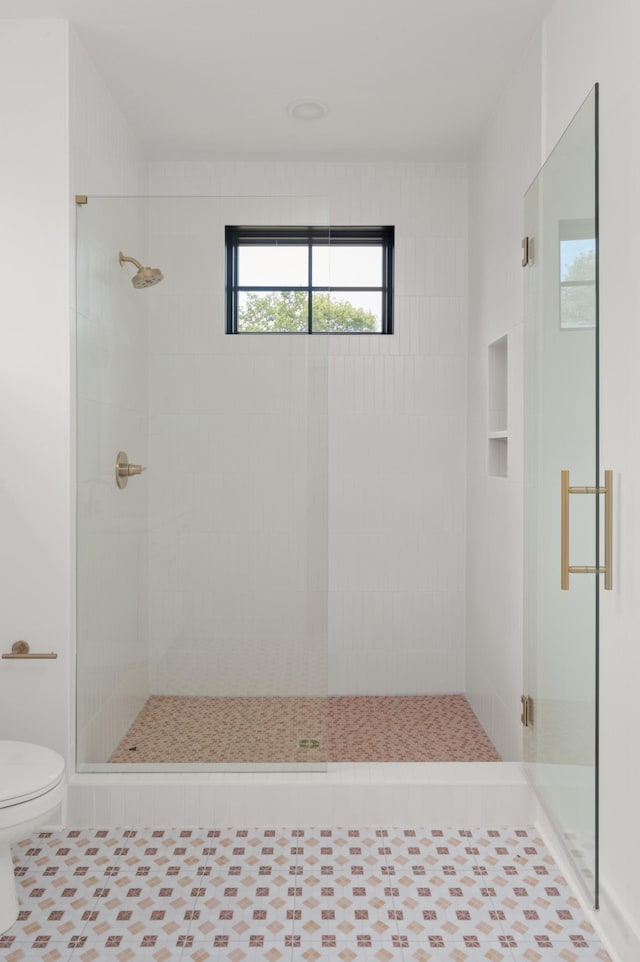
(309, 743)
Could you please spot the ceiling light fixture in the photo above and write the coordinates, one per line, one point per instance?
(307, 109)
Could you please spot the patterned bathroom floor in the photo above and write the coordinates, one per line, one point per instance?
(309, 895)
(411, 728)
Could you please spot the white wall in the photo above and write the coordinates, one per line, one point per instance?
(506, 161)
(396, 423)
(105, 155)
(35, 549)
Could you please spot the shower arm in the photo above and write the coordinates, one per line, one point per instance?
(122, 258)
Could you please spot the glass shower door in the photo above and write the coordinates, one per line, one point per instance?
(563, 503)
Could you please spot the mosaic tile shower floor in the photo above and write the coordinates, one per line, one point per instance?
(309, 895)
(411, 728)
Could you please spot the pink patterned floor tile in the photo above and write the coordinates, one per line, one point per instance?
(74, 852)
(496, 846)
(470, 951)
(163, 851)
(56, 907)
(234, 912)
(451, 895)
(350, 950)
(43, 949)
(537, 921)
(345, 916)
(116, 949)
(561, 951)
(420, 920)
(146, 911)
(235, 952)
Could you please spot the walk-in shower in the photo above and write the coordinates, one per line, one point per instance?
(203, 584)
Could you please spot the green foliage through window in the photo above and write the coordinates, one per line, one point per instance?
(289, 311)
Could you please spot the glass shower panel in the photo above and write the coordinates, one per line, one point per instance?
(111, 415)
(211, 566)
(561, 420)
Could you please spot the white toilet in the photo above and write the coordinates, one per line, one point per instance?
(31, 788)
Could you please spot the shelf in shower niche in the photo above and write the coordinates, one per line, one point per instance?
(498, 456)
(498, 407)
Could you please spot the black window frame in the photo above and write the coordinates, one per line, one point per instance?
(236, 237)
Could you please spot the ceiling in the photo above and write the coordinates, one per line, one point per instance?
(210, 79)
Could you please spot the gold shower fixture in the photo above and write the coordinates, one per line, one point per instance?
(146, 276)
(126, 470)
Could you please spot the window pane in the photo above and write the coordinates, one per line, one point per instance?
(350, 266)
(340, 311)
(578, 305)
(272, 311)
(577, 280)
(281, 265)
(578, 259)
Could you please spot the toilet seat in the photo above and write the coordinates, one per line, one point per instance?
(27, 771)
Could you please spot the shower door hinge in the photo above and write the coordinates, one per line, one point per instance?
(527, 711)
(527, 251)
(81, 199)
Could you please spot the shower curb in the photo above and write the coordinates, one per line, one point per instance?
(433, 794)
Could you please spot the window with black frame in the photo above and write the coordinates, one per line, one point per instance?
(309, 280)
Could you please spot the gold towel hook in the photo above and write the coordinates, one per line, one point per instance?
(20, 649)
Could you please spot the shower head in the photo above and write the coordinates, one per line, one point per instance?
(146, 276)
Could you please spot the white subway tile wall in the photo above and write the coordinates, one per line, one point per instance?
(396, 464)
(506, 161)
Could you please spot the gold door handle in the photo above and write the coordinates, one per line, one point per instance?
(565, 567)
(608, 530)
(125, 470)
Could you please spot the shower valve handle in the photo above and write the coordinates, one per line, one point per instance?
(125, 470)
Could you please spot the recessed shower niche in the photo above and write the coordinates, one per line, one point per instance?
(498, 408)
